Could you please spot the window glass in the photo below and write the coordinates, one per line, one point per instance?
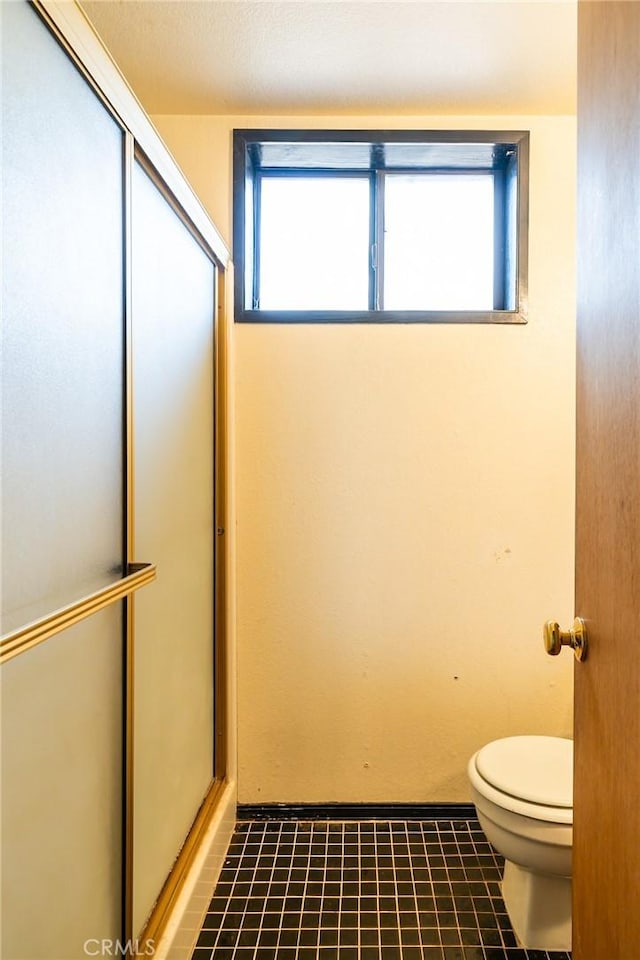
(314, 243)
(438, 242)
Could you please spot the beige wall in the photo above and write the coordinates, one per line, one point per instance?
(405, 501)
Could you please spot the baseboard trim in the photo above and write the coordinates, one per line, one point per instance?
(356, 811)
(175, 922)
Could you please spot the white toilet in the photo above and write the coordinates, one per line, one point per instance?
(523, 791)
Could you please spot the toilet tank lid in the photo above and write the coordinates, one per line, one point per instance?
(537, 769)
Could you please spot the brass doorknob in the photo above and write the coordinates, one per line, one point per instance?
(576, 637)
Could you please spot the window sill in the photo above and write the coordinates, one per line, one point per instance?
(381, 316)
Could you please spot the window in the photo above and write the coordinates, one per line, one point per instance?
(370, 226)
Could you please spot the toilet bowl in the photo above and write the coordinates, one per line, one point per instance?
(522, 788)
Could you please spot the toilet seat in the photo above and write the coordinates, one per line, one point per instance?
(531, 776)
(537, 769)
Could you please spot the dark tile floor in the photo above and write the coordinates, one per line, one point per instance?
(360, 890)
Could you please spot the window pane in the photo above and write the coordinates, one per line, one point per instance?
(438, 242)
(314, 243)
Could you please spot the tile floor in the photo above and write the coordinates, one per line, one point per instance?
(360, 890)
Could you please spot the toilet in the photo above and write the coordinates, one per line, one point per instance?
(522, 788)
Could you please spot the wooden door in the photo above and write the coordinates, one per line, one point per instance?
(606, 906)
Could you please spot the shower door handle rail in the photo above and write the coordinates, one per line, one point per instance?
(25, 638)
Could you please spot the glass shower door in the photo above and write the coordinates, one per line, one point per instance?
(173, 664)
(63, 503)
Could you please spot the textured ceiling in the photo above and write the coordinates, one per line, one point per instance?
(343, 56)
